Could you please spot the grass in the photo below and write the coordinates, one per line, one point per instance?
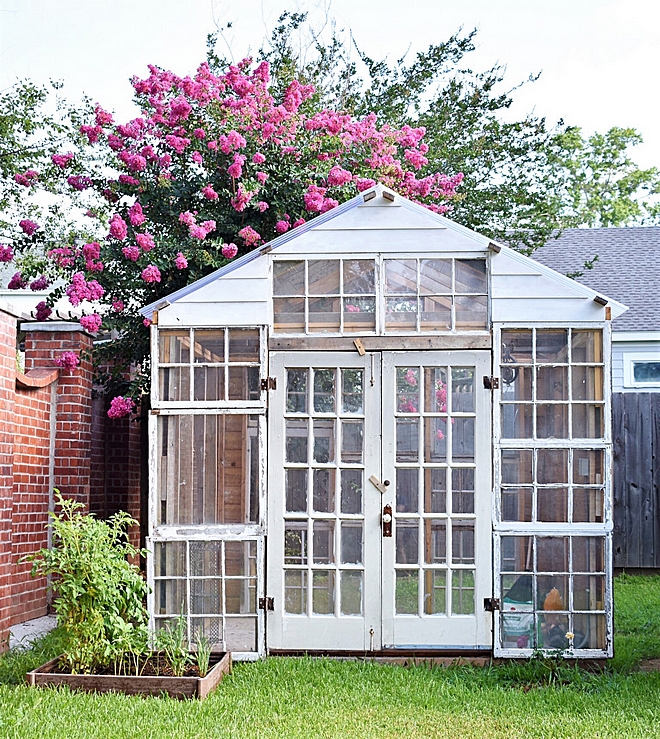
(323, 698)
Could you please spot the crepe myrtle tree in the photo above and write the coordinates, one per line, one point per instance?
(216, 164)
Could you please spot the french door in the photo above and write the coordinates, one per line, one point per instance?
(379, 501)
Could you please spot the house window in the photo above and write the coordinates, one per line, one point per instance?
(642, 369)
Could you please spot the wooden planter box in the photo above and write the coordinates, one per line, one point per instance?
(176, 687)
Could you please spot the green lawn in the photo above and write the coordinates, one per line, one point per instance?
(324, 698)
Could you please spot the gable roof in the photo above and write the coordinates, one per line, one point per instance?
(627, 268)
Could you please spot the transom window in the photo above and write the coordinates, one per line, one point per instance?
(347, 296)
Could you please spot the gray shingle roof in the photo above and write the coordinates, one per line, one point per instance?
(628, 268)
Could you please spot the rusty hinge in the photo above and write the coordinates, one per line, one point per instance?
(491, 604)
(491, 383)
(268, 383)
(266, 604)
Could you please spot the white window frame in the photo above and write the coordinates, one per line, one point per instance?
(629, 360)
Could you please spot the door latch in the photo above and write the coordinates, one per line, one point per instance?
(491, 604)
(491, 383)
(380, 486)
(268, 383)
(266, 604)
(387, 520)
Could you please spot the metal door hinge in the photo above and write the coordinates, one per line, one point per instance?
(269, 383)
(266, 604)
(491, 604)
(491, 383)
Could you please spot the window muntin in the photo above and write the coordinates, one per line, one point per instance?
(552, 384)
(220, 365)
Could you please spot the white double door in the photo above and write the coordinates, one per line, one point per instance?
(379, 501)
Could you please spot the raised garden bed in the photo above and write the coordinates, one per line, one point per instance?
(191, 686)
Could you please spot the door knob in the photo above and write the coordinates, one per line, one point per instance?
(386, 519)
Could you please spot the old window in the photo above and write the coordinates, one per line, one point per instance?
(641, 369)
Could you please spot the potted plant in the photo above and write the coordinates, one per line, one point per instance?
(100, 605)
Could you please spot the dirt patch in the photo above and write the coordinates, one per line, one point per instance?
(650, 665)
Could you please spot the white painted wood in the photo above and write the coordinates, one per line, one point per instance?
(381, 219)
(210, 315)
(515, 287)
(545, 310)
(227, 290)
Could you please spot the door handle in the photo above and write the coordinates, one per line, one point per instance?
(380, 486)
(386, 520)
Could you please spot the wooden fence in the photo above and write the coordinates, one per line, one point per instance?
(636, 462)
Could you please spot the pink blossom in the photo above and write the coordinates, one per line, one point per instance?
(151, 273)
(146, 322)
(411, 377)
(352, 308)
(299, 222)
(91, 250)
(439, 435)
(29, 227)
(67, 360)
(91, 323)
(199, 133)
(262, 177)
(209, 193)
(236, 169)
(41, 283)
(118, 227)
(180, 262)
(363, 184)
(212, 145)
(242, 198)
(197, 157)
(249, 235)
(179, 109)
(338, 176)
(62, 160)
(126, 179)
(118, 305)
(62, 256)
(178, 143)
(165, 161)
(28, 178)
(208, 226)
(188, 218)
(229, 251)
(282, 226)
(80, 290)
(115, 143)
(43, 311)
(6, 253)
(136, 215)
(145, 241)
(258, 158)
(93, 133)
(197, 232)
(17, 282)
(103, 118)
(79, 182)
(262, 206)
(132, 253)
(313, 198)
(121, 406)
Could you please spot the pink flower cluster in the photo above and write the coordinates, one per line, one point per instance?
(229, 251)
(28, 178)
(67, 360)
(91, 323)
(28, 227)
(151, 273)
(118, 228)
(120, 407)
(80, 289)
(6, 253)
(43, 311)
(17, 282)
(62, 160)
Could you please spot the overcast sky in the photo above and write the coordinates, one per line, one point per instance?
(599, 59)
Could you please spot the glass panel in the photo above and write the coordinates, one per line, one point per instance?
(407, 439)
(462, 439)
(435, 314)
(324, 315)
(170, 559)
(359, 277)
(471, 312)
(588, 466)
(462, 390)
(551, 346)
(552, 383)
(401, 314)
(435, 442)
(323, 591)
(516, 504)
(174, 383)
(352, 390)
(517, 420)
(586, 346)
(435, 277)
(289, 278)
(471, 276)
(517, 607)
(359, 314)
(552, 554)
(516, 382)
(296, 391)
(435, 389)
(324, 391)
(351, 491)
(588, 421)
(407, 538)
(517, 554)
(351, 542)
(209, 346)
(435, 591)
(296, 441)
(206, 596)
(401, 276)
(517, 466)
(243, 383)
(435, 490)
(174, 347)
(589, 593)
(324, 542)
(462, 542)
(295, 543)
(241, 634)
(323, 277)
(241, 558)
(170, 597)
(588, 554)
(406, 597)
(209, 627)
(205, 558)
(296, 490)
(324, 441)
(644, 372)
(552, 466)
(243, 344)
(435, 542)
(295, 591)
(323, 499)
(407, 495)
(289, 315)
(552, 421)
(462, 490)
(352, 434)
(517, 346)
(587, 505)
(552, 630)
(462, 592)
(552, 592)
(209, 383)
(590, 631)
(587, 383)
(552, 504)
(351, 593)
(240, 596)
(407, 389)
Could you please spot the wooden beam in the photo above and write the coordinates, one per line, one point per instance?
(381, 343)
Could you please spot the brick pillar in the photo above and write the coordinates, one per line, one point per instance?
(7, 389)
(44, 343)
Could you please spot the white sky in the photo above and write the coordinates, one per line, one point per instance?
(599, 58)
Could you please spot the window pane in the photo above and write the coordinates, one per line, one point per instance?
(401, 276)
(462, 390)
(209, 346)
(435, 591)
(471, 276)
(552, 383)
(324, 441)
(401, 314)
(435, 388)
(296, 441)
(517, 554)
(296, 490)
(359, 277)
(435, 542)
(436, 314)
(588, 421)
(516, 504)
(351, 542)
(590, 631)
(588, 465)
(324, 315)
(516, 382)
(552, 592)
(323, 591)
(241, 559)
(324, 542)
(295, 591)
(407, 538)
(406, 598)
(289, 278)
(170, 597)
(174, 383)
(462, 438)
(241, 634)
(324, 391)
(435, 277)
(352, 390)
(289, 315)
(206, 596)
(351, 593)
(170, 559)
(351, 491)
(359, 314)
(552, 466)
(551, 346)
(552, 421)
(295, 543)
(588, 554)
(586, 346)
(552, 554)
(471, 312)
(407, 439)
(407, 491)
(517, 420)
(589, 592)
(209, 383)
(435, 490)
(296, 391)
(174, 347)
(462, 542)
(205, 558)
(646, 372)
(588, 505)
(243, 383)
(552, 505)
(517, 466)
(407, 389)
(435, 442)
(323, 498)
(462, 592)
(323, 277)
(462, 490)
(517, 346)
(244, 345)
(352, 435)
(587, 383)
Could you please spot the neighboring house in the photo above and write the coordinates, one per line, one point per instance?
(627, 268)
(383, 433)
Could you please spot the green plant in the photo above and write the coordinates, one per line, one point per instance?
(100, 594)
(203, 652)
(172, 639)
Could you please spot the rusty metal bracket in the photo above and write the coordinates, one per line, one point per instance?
(491, 383)
(266, 604)
(268, 383)
(491, 604)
